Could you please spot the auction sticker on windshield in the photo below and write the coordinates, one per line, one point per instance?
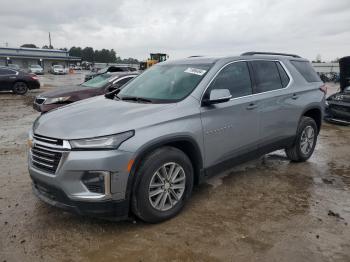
(195, 71)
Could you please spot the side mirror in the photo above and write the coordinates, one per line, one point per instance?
(112, 88)
(217, 96)
(112, 93)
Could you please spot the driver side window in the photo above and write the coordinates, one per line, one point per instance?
(236, 78)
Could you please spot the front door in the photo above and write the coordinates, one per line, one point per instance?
(230, 129)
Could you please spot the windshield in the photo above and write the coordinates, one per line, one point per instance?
(103, 70)
(98, 81)
(35, 66)
(165, 83)
(58, 66)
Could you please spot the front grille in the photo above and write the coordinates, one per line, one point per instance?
(49, 140)
(45, 158)
(341, 108)
(39, 100)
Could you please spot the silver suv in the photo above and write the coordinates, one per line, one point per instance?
(141, 151)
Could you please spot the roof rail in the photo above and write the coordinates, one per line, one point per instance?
(269, 53)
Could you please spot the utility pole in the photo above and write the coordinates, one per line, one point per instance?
(50, 46)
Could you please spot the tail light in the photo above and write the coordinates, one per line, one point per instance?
(34, 77)
(323, 89)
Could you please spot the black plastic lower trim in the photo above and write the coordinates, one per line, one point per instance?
(111, 209)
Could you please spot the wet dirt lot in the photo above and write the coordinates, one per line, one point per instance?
(265, 210)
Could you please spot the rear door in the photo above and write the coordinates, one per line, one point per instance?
(230, 129)
(276, 104)
(7, 78)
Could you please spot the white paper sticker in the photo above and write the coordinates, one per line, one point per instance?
(195, 71)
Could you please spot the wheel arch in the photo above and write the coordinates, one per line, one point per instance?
(186, 144)
(316, 113)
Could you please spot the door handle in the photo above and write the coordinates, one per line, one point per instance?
(252, 106)
(295, 96)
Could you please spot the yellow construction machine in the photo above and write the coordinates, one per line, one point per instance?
(154, 59)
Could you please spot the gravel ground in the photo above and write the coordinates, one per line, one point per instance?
(265, 210)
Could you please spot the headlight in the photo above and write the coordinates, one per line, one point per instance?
(56, 100)
(338, 97)
(104, 142)
(30, 138)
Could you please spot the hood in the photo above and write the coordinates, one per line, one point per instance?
(98, 116)
(65, 91)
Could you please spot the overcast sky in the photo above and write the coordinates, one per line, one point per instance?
(182, 27)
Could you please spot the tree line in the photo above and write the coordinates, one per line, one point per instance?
(90, 55)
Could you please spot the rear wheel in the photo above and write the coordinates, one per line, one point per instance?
(164, 185)
(305, 141)
(20, 88)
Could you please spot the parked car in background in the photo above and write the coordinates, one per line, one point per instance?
(97, 86)
(338, 107)
(111, 69)
(75, 67)
(36, 69)
(142, 150)
(14, 66)
(17, 81)
(338, 104)
(58, 70)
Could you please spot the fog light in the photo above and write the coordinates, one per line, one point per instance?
(95, 181)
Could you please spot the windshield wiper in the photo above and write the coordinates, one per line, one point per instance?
(135, 98)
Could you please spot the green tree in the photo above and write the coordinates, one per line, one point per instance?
(29, 46)
(87, 54)
(75, 51)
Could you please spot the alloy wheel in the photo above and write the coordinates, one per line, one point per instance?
(307, 140)
(20, 88)
(167, 186)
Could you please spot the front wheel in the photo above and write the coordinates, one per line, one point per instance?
(305, 141)
(20, 88)
(164, 185)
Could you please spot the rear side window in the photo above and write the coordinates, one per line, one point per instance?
(283, 75)
(267, 77)
(306, 70)
(234, 77)
(4, 71)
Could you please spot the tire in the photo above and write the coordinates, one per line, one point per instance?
(304, 145)
(20, 88)
(149, 208)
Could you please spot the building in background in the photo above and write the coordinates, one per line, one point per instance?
(24, 57)
(326, 68)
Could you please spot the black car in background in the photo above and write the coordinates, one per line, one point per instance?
(338, 104)
(110, 69)
(17, 81)
(99, 85)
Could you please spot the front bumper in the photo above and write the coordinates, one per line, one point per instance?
(338, 112)
(43, 108)
(110, 209)
(64, 187)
